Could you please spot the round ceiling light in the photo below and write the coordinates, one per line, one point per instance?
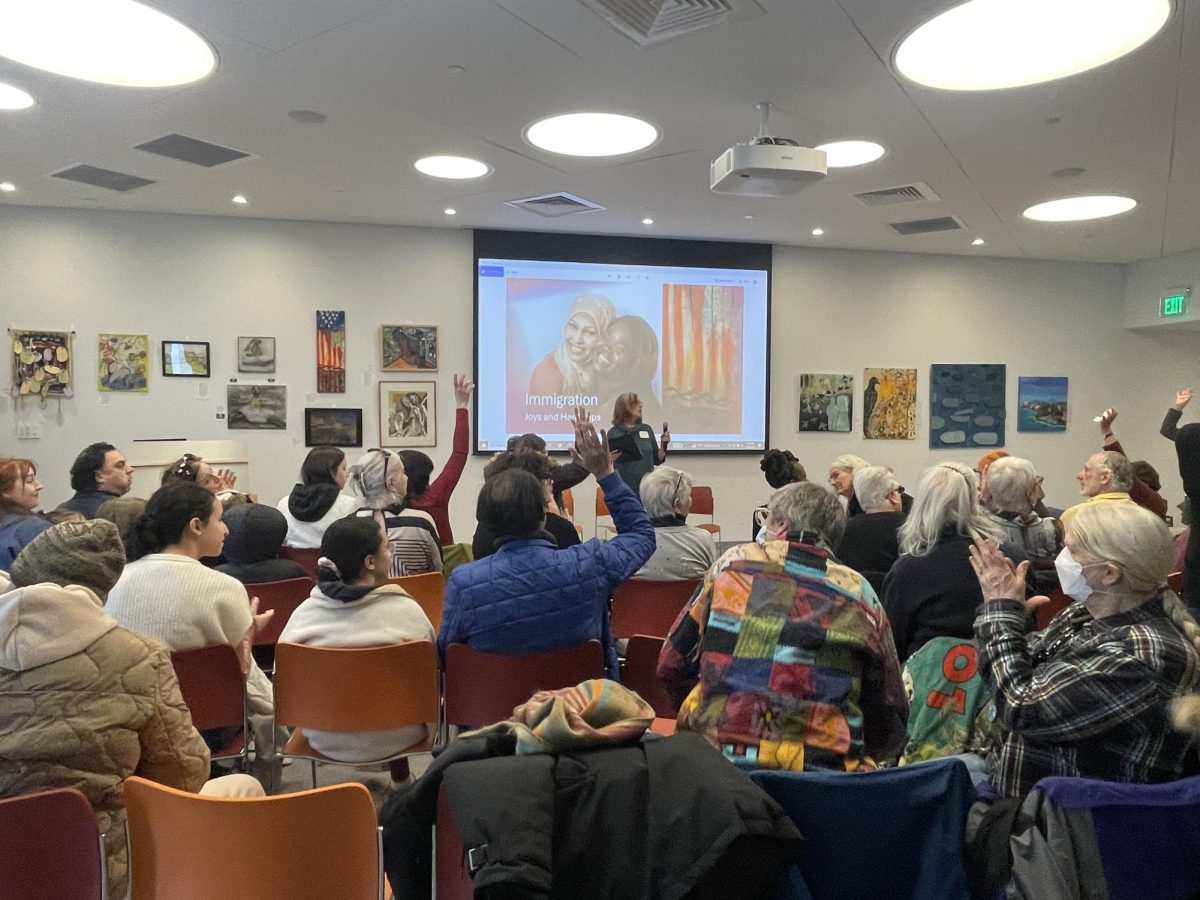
(1079, 209)
(119, 42)
(986, 45)
(459, 167)
(844, 154)
(591, 134)
(14, 98)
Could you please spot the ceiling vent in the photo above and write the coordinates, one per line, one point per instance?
(105, 178)
(554, 205)
(917, 192)
(648, 22)
(927, 226)
(192, 150)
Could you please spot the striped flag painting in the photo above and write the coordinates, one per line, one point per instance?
(331, 351)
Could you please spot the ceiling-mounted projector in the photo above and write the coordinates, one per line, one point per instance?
(766, 166)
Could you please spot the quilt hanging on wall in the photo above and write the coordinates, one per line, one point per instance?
(42, 362)
(966, 406)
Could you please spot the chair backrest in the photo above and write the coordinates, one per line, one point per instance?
(912, 818)
(1058, 602)
(568, 503)
(649, 607)
(357, 689)
(482, 688)
(281, 596)
(702, 500)
(640, 674)
(50, 847)
(213, 686)
(319, 843)
(429, 590)
(306, 556)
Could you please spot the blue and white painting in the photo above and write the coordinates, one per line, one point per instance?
(1041, 403)
(966, 406)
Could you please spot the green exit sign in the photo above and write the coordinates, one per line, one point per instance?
(1174, 304)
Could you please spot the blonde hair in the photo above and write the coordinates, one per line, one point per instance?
(1133, 539)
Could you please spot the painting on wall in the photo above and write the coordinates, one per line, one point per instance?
(332, 427)
(966, 405)
(256, 354)
(42, 363)
(890, 404)
(123, 363)
(331, 351)
(1041, 403)
(185, 359)
(257, 407)
(408, 347)
(825, 402)
(407, 414)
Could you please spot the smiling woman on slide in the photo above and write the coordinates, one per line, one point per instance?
(571, 368)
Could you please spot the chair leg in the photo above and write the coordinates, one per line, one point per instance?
(313, 763)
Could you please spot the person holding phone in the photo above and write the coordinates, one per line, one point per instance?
(639, 451)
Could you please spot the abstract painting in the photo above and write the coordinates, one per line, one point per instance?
(1041, 403)
(407, 347)
(407, 414)
(966, 405)
(257, 407)
(185, 359)
(332, 427)
(331, 351)
(256, 354)
(123, 363)
(890, 404)
(701, 348)
(41, 363)
(825, 402)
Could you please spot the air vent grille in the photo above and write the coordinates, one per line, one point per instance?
(917, 192)
(554, 205)
(927, 226)
(648, 22)
(192, 150)
(104, 178)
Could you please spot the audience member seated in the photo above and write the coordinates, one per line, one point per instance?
(83, 702)
(1105, 478)
(317, 501)
(192, 469)
(19, 491)
(1014, 485)
(124, 513)
(871, 543)
(793, 651)
(780, 468)
(379, 482)
(99, 473)
(682, 551)
(539, 466)
(566, 475)
(1140, 492)
(435, 498)
(1187, 450)
(841, 479)
(256, 533)
(529, 596)
(1089, 695)
(352, 606)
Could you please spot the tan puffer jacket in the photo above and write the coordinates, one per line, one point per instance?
(85, 703)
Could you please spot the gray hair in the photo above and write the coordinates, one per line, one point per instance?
(807, 506)
(1010, 479)
(872, 484)
(848, 461)
(1119, 469)
(947, 498)
(666, 491)
(368, 478)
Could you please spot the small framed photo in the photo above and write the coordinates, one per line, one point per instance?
(256, 354)
(185, 359)
(334, 427)
(407, 414)
(407, 348)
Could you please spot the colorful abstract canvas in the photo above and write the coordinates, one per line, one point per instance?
(890, 404)
(123, 363)
(966, 406)
(42, 363)
(701, 349)
(1041, 403)
(825, 402)
(331, 351)
(405, 347)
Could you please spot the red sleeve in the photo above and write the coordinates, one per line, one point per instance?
(1141, 493)
(438, 493)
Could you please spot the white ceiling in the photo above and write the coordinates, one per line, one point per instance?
(380, 71)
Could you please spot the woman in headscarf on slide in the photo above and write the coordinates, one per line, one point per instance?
(571, 367)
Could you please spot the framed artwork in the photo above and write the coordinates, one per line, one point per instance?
(1041, 403)
(256, 355)
(409, 347)
(42, 362)
(123, 363)
(407, 414)
(824, 402)
(185, 359)
(331, 351)
(335, 427)
(890, 404)
(966, 406)
(257, 407)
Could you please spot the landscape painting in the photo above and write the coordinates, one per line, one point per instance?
(257, 407)
(825, 402)
(332, 427)
(966, 406)
(1041, 403)
(890, 404)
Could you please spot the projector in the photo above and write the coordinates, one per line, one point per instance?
(766, 169)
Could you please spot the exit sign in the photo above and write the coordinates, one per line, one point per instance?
(1174, 304)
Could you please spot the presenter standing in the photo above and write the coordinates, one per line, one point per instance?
(639, 452)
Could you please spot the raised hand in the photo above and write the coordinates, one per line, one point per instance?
(227, 477)
(998, 577)
(1106, 419)
(1182, 398)
(591, 449)
(463, 386)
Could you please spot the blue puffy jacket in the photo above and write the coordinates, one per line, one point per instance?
(529, 596)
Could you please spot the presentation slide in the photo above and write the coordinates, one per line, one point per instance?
(690, 342)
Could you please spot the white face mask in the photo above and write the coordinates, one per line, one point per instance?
(1070, 576)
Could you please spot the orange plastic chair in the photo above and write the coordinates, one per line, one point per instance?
(51, 847)
(429, 590)
(214, 689)
(702, 505)
(1058, 601)
(306, 556)
(482, 688)
(649, 607)
(568, 503)
(602, 510)
(319, 843)
(640, 674)
(281, 596)
(355, 689)
(1175, 582)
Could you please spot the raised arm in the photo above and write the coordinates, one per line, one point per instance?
(443, 486)
(1170, 424)
(1140, 492)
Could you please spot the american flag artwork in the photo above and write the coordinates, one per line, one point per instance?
(331, 351)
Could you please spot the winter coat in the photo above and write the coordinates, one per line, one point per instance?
(15, 532)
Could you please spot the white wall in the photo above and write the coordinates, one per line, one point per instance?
(211, 279)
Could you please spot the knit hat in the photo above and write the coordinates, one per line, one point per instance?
(85, 553)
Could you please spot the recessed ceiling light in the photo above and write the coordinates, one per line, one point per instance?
(986, 45)
(240, 199)
(978, 242)
(7, 186)
(450, 211)
(591, 134)
(460, 167)
(14, 98)
(817, 232)
(118, 42)
(844, 154)
(647, 221)
(1078, 209)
